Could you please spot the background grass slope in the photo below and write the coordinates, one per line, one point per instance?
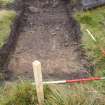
(94, 21)
(6, 2)
(6, 19)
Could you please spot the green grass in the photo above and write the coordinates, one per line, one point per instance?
(94, 21)
(78, 94)
(6, 2)
(6, 19)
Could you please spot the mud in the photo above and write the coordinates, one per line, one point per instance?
(50, 34)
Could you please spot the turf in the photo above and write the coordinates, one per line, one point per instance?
(24, 93)
(94, 21)
(6, 19)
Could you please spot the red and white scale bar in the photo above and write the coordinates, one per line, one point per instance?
(75, 80)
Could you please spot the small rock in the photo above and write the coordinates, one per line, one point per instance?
(32, 31)
(34, 9)
(53, 33)
(66, 44)
(57, 28)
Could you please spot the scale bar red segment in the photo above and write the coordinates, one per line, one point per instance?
(83, 80)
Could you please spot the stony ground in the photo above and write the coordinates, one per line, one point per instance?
(48, 34)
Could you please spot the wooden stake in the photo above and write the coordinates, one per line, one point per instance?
(38, 81)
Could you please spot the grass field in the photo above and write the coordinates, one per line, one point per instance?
(6, 2)
(6, 18)
(94, 21)
(79, 94)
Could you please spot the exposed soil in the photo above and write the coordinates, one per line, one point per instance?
(51, 35)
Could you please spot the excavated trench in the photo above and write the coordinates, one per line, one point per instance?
(48, 33)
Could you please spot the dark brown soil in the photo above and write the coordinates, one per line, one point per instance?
(48, 34)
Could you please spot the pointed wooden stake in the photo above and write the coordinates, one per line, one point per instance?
(38, 81)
